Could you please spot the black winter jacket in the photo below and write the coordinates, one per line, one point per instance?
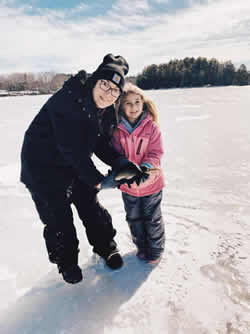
(61, 139)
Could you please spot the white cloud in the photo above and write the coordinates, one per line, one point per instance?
(144, 36)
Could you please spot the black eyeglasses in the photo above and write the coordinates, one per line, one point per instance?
(104, 85)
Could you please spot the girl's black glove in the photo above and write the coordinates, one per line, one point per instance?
(144, 175)
(130, 173)
(127, 173)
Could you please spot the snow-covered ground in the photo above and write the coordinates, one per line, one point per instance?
(202, 284)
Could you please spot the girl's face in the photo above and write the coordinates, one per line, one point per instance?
(105, 93)
(132, 106)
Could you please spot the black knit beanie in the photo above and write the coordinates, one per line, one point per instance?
(113, 68)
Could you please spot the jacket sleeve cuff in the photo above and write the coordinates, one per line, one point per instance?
(147, 164)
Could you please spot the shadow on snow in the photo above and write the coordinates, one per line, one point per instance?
(55, 307)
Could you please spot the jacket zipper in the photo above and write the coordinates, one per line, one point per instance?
(139, 147)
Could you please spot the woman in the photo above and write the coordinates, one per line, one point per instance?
(57, 168)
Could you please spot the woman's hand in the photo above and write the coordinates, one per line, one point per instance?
(108, 182)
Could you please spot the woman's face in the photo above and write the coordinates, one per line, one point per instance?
(132, 106)
(105, 93)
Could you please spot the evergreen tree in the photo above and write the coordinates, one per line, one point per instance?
(241, 77)
(229, 73)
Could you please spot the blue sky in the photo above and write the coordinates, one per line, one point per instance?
(66, 36)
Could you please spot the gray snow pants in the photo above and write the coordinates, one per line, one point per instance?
(145, 221)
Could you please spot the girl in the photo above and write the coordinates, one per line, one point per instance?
(138, 137)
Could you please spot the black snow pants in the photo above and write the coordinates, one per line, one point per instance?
(145, 221)
(59, 231)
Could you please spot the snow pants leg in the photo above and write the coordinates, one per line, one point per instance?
(134, 218)
(95, 218)
(146, 224)
(154, 225)
(59, 231)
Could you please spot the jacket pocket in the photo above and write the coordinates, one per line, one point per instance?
(139, 147)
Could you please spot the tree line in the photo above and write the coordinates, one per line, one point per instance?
(191, 72)
(187, 72)
(41, 83)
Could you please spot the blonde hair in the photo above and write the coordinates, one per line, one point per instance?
(148, 104)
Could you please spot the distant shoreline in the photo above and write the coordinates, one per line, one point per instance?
(33, 93)
(22, 93)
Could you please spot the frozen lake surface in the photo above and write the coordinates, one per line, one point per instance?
(201, 286)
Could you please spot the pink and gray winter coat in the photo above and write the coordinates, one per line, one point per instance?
(143, 145)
